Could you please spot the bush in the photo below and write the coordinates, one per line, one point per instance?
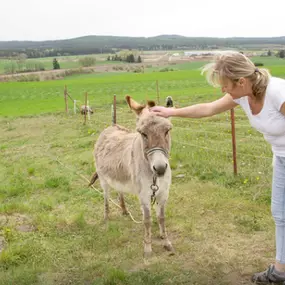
(55, 64)
(138, 70)
(258, 64)
(281, 53)
(130, 58)
(87, 61)
(166, 69)
(118, 67)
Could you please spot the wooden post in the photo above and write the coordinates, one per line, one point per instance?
(157, 92)
(74, 106)
(88, 110)
(85, 113)
(65, 99)
(114, 110)
(234, 141)
(112, 113)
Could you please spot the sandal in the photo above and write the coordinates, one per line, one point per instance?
(268, 276)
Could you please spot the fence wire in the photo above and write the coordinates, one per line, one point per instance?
(203, 147)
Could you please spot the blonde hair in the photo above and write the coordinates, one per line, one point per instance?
(233, 66)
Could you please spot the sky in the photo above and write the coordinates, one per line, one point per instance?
(63, 19)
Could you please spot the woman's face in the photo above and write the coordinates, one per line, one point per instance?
(236, 89)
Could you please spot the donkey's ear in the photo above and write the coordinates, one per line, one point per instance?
(135, 106)
(150, 103)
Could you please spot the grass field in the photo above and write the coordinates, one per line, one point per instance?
(51, 224)
(64, 61)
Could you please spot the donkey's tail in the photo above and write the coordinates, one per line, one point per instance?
(93, 179)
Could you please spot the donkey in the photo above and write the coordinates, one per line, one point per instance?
(137, 163)
(85, 109)
(169, 102)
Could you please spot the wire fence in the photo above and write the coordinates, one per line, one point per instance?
(206, 146)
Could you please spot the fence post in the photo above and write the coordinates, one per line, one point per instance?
(88, 110)
(114, 117)
(85, 113)
(157, 92)
(234, 141)
(74, 106)
(65, 99)
(112, 113)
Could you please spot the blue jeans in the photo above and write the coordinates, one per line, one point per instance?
(278, 206)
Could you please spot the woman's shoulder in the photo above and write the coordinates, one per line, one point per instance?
(275, 91)
(275, 84)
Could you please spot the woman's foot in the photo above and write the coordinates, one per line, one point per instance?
(271, 275)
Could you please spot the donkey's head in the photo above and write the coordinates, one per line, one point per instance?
(154, 135)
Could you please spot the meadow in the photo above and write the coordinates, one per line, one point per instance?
(51, 223)
(65, 62)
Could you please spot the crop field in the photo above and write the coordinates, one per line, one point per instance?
(51, 223)
(64, 61)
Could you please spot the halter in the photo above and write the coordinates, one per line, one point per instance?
(154, 187)
(153, 149)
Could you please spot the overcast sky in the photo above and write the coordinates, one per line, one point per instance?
(61, 19)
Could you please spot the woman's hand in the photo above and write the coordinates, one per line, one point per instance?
(162, 111)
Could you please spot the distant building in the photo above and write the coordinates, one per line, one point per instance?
(206, 52)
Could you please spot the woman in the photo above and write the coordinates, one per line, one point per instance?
(262, 97)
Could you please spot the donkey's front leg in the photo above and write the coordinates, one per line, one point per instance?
(147, 227)
(160, 209)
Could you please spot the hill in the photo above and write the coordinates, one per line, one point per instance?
(109, 44)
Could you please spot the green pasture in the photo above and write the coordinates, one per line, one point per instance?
(51, 223)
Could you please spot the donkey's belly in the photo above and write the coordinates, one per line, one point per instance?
(127, 187)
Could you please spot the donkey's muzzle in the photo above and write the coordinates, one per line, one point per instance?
(160, 169)
(159, 160)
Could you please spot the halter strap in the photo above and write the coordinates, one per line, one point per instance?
(153, 149)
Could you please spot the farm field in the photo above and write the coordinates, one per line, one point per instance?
(66, 62)
(51, 223)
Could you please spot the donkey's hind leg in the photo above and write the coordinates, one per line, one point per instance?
(106, 188)
(122, 204)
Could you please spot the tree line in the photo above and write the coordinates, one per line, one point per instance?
(111, 45)
(131, 58)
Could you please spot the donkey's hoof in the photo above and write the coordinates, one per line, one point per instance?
(125, 213)
(169, 248)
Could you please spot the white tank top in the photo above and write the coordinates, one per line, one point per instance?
(269, 121)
